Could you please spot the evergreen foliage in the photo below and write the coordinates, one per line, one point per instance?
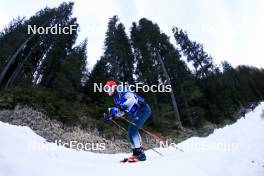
(49, 72)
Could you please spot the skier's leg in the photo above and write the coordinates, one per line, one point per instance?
(135, 139)
(139, 119)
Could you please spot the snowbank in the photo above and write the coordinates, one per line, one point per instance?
(236, 149)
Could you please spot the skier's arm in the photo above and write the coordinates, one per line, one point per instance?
(115, 112)
(130, 101)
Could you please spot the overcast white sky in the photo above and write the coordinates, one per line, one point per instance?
(230, 30)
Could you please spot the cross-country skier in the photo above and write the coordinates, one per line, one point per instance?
(139, 110)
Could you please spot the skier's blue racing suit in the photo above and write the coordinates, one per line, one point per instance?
(138, 109)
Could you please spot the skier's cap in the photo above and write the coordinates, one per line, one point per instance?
(110, 84)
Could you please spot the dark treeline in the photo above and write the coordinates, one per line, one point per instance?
(205, 93)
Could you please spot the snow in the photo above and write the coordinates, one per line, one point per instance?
(236, 149)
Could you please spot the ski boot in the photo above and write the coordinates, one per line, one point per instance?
(138, 155)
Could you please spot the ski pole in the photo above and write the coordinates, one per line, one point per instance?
(141, 141)
(151, 134)
(147, 132)
(151, 148)
(122, 128)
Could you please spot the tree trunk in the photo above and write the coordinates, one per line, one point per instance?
(174, 103)
(156, 108)
(19, 69)
(12, 59)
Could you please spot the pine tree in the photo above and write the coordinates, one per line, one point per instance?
(35, 58)
(100, 73)
(152, 55)
(70, 74)
(118, 51)
(202, 62)
(62, 43)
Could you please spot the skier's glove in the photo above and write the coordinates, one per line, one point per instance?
(115, 112)
(107, 118)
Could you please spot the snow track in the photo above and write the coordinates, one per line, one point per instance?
(236, 149)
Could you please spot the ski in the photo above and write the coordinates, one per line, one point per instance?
(124, 160)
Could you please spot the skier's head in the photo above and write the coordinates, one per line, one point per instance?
(109, 87)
